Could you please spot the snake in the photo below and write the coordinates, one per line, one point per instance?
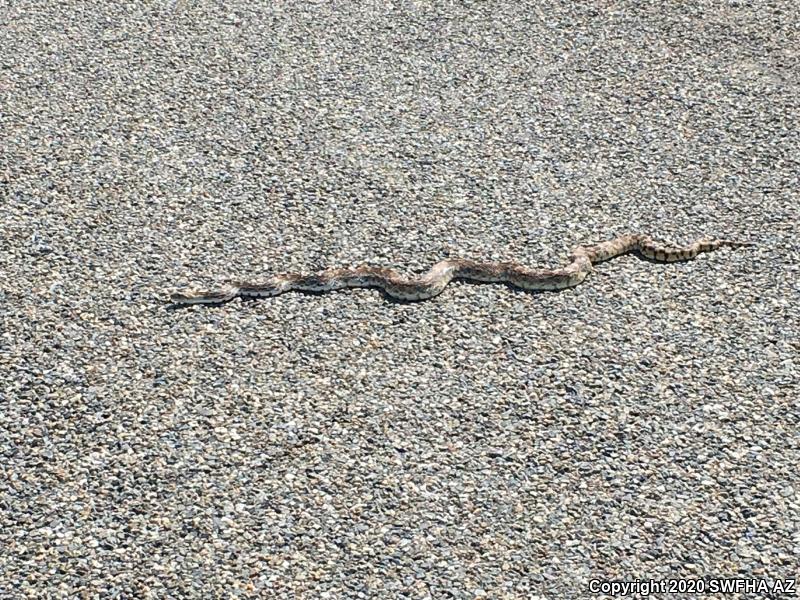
(432, 283)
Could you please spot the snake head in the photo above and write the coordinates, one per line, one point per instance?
(205, 297)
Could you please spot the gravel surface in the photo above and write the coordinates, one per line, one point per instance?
(488, 443)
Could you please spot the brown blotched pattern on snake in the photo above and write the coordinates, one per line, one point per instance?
(430, 284)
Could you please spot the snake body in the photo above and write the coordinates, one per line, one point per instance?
(432, 283)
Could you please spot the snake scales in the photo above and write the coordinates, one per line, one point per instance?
(430, 284)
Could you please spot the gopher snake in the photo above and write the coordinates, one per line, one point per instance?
(436, 279)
